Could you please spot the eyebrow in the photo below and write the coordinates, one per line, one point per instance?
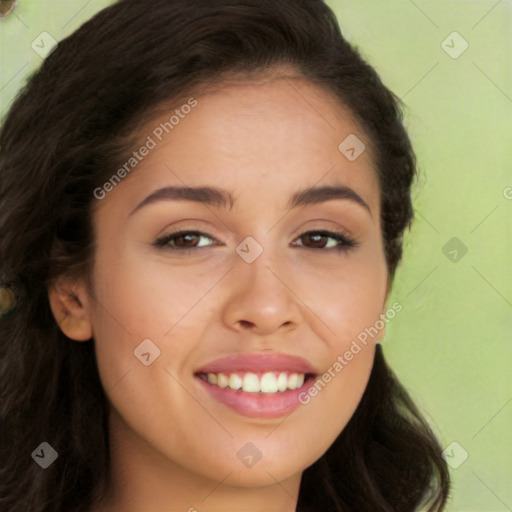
(223, 199)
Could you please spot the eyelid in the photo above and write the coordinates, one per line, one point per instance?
(341, 236)
(345, 240)
(162, 241)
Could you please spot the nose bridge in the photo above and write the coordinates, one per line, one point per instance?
(259, 265)
(260, 295)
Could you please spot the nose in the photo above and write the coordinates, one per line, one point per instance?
(261, 298)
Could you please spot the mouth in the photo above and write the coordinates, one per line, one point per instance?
(262, 383)
(257, 385)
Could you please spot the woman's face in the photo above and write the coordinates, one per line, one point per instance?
(255, 292)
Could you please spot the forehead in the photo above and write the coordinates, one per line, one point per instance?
(269, 135)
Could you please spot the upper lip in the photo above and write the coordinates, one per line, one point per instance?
(258, 363)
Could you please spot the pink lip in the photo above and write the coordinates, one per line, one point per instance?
(258, 363)
(257, 405)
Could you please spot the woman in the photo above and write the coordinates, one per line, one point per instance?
(202, 213)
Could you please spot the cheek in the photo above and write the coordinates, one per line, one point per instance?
(136, 300)
(348, 305)
(347, 293)
(145, 298)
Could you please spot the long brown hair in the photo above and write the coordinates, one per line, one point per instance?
(64, 136)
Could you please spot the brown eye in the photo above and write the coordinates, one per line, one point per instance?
(320, 240)
(183, 241)
(186, 240)
(316, 239)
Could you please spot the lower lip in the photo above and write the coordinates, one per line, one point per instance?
(257, 405)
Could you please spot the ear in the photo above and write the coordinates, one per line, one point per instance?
(69, 302)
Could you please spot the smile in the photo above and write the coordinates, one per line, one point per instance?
(268, 382)
(257, 385)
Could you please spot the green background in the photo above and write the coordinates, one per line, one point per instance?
(450, 345)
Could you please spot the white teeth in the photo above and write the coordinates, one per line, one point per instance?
(282, 380)
(269, 382)
(251, 383)
(292, 381)
(235, 382)
(222, 380)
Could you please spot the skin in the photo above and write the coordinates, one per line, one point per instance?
(173, 447)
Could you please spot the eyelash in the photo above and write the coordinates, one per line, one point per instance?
(345, 243)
